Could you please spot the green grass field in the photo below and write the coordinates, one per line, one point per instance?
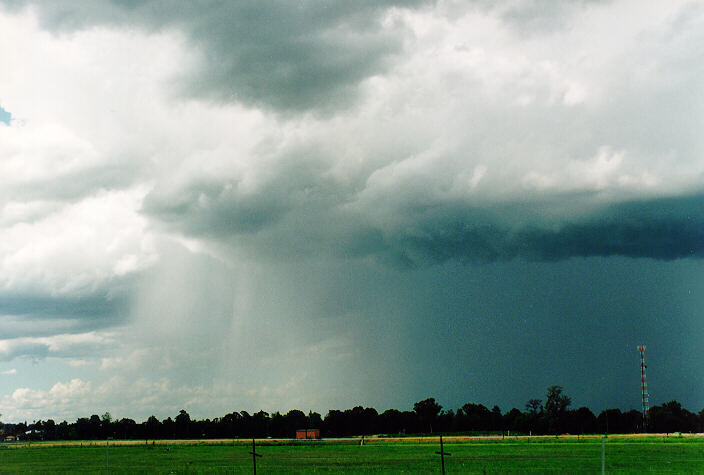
(655, 455)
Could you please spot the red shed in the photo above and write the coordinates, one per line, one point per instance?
(308, 434)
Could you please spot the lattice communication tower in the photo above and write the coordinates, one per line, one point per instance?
(643, 385)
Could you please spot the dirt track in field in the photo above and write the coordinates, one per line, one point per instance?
(342, 440)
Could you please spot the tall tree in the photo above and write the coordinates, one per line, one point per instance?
(556, 404)
(427, 411)
(534, 406)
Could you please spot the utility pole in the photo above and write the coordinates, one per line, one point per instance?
(643, 387)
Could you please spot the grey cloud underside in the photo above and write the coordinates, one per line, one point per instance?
(666, 229)
(40, 315)
(40, 350)
(73, 187)
(659, 228)
(93, 306)
(24, 317)
(289, 56)
(36, 351)
(209, 209)
(651, 237)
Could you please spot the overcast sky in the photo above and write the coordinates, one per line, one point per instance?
(219, 206)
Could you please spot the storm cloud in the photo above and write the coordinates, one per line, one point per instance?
(283, 55)
(316, 204)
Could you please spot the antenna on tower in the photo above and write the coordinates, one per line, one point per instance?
(643, 386)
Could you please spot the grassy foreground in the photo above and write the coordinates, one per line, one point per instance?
(633, 455)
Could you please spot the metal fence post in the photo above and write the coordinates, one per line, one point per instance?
(442, 454)
(254, 456)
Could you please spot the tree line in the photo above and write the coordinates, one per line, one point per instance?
(553, 416)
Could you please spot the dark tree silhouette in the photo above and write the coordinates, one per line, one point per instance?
(556, 404)
(427, 416)
(427, 411)
(534, 406)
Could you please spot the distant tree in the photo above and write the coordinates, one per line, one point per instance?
(183, 424)
(152, 428)
(393, 421)
(473, 417)
(82, 428)
(231, 425)
(556, 404)
(260, 424)
(314, 420)
(446, 421)
(427, 411)
(95, 431)
(581, 421)
(496, 418)
(355, 420)
(334, 423)
(183, 417)
(427, 415)
(50, 429)
(295, 419)
(514, 420)
(610, 421)
(168, 428)
(534, 406)
(362, 420)
(106, 425)
(64, 431)
(632, 421)
(672, 417)
(125, 428)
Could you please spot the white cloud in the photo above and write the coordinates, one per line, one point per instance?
(61, 345)
(93, 241)
(139, 398)
(78, 363)
(60, 399)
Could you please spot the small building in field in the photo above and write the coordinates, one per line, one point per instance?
(308, 434)
(10, 438)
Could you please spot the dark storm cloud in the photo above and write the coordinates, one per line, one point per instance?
(288, 221)
(667, 228)
(31, 315)
(670, 228)
(285, 55)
